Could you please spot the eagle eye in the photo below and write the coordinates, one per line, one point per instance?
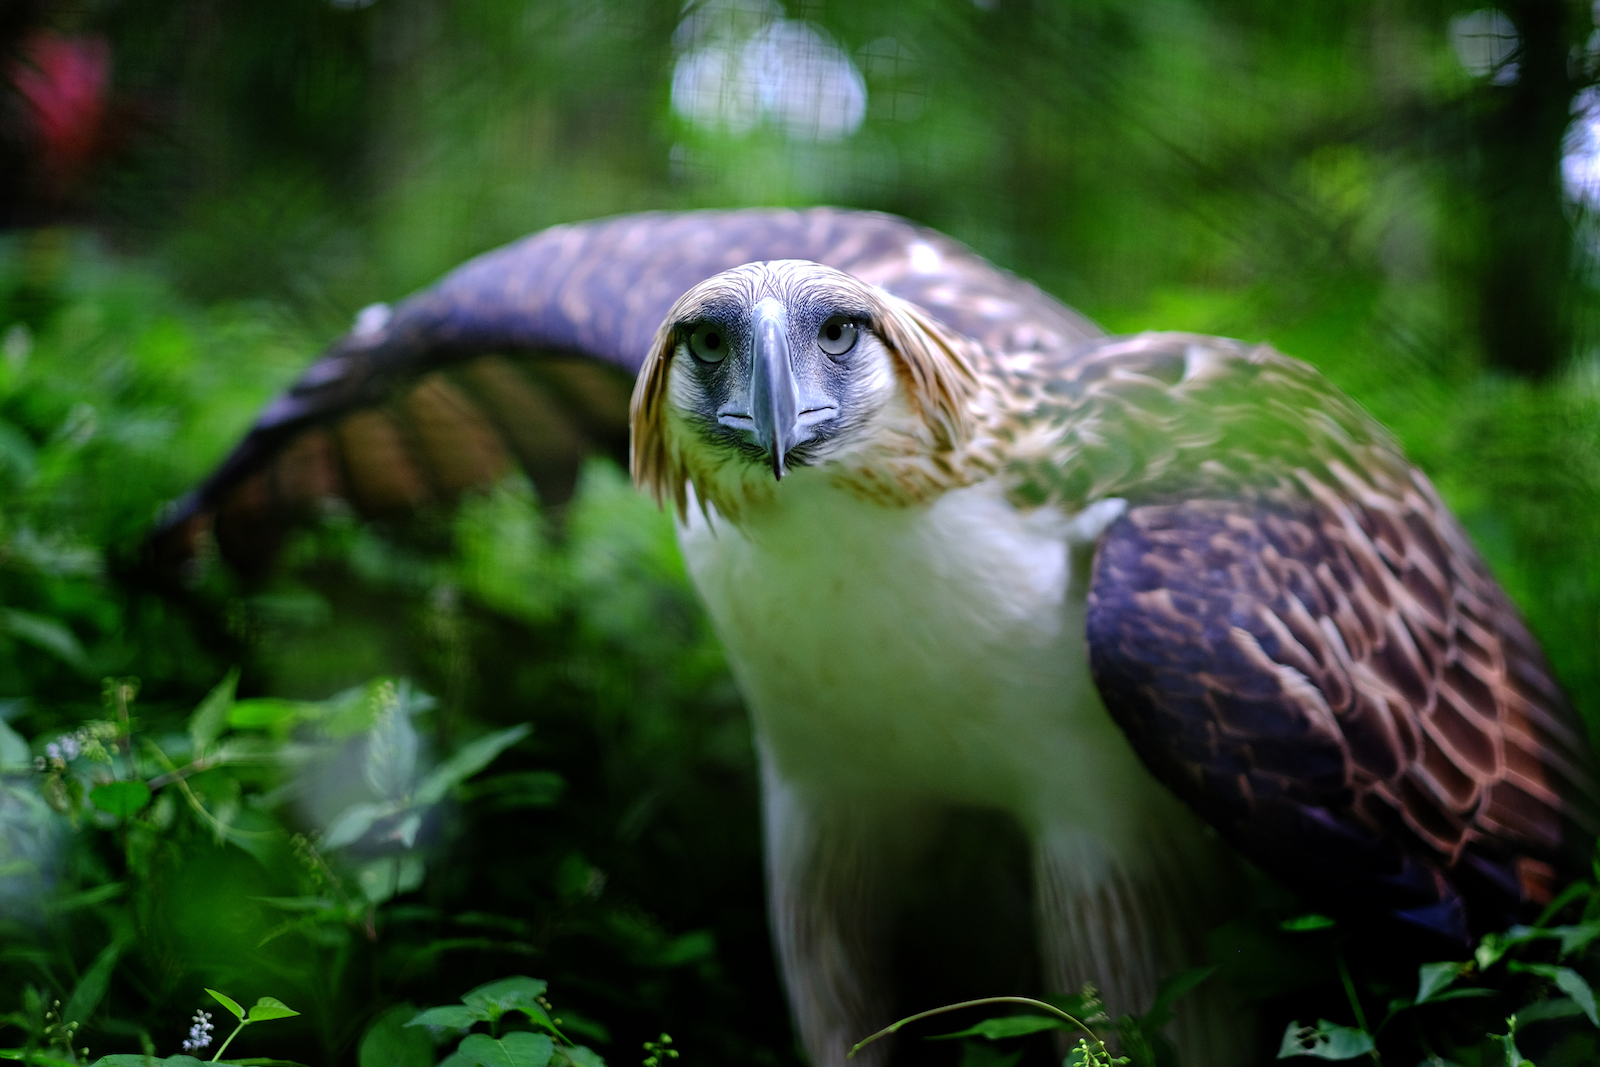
(837, 336)
(708, 343)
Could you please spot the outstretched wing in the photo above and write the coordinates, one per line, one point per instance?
(1300, 640)
(526, 355)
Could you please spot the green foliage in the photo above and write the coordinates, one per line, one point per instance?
(1506, 968)
(491, 1004)
(1093, 1054)
(389, 1043)
(658, 1051)
(1324, 1041)
(1007, 1026)
(1540, 968)
(1091, 1050)
(1330, 184)
(162, 835)
(265, 1009)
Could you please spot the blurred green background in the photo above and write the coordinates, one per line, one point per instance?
(198, 195)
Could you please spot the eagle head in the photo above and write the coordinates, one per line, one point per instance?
(773, 367)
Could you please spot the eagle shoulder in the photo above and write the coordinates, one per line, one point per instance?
(1300, 640)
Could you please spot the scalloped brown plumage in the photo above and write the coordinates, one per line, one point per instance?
(1299, 638)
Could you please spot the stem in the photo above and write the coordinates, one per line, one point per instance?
(887, 1030)
(222, 830)
(125, 741)
(205, 763)
(242, 1024)
(1355, 1001)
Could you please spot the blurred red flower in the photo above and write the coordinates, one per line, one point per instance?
(64, 81)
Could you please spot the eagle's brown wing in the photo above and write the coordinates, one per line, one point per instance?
(526, 355)
(1300, 640)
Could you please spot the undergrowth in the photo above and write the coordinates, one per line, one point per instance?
(252, 790)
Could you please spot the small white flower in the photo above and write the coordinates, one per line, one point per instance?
(199, 1032)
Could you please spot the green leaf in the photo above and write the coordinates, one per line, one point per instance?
(583, 1056)
(1521, 935)
(210, 718)
(1554, 1008)
(391, 758)
(1302, 923)
(1005, 1026)
(16, 450)
(405, 830)
(387, 1042)
(122, 799)
(466, 761)
(1567, 980)
(1573, 985)
(297, 903)
(351, 824)
(451, 1017)
(1325, 1041)
(14, 751)
(264, 713)
(382, 878)
(47, 634)
(1576, 938)
(91, 987)
(522, 789)
(270, 1008)
(137, 1060)
(1463, 994)
(87, 899)
(1433, 978)
(516, 993)
(1489, 951)
(227, 1002)
(520, 1049)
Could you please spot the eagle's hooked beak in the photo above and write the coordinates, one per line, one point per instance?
(774, 393)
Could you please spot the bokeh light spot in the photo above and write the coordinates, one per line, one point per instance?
(742, 65)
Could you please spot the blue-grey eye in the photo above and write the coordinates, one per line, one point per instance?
(708, 343)
(837, 336)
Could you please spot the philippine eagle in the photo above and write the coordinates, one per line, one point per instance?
(963, 550)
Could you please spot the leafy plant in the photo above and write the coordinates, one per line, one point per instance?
(264, 1009)
(1091, 1050)
(490, 1004)
(1547, 990)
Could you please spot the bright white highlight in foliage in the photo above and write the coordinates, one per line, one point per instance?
(1484, 42)
(1580, 152)
(199, 1032)
(741, 65)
